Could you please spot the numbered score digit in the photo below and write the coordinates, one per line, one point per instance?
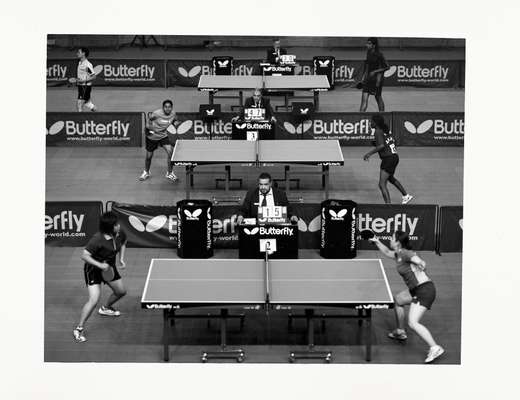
(268, 243)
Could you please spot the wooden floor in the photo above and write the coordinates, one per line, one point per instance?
(136, 336)
(188, 99)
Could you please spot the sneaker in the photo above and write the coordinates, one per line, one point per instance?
(78, 335)
(144, 176)
(406, 199)
(397, 334)
(435, 352)
(171, 176)
(109, 311)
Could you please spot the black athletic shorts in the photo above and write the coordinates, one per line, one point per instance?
(389, 164)
(93, 275)
(371, 87)
(424, 294)
(84, 92)
(151, 145)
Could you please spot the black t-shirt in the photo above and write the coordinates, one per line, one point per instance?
(375, 60)
(104, 250)
(388, 140)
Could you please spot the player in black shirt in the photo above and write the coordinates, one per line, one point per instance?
(100, 255)
(385, 146)
(373, 75)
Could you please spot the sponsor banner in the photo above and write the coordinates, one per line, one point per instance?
(110, 72)
(309, 225)
(186, 72)
(59, 71)
(345, 72)
(71, 223)
(423, 73)
(418, 221)
(451, 227)
(148, 226)
(94, 129)
(351, 129)
(225, 230)
(429, 129)
(138, 72)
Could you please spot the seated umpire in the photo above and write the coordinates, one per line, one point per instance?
(274, 53)
(257, 101)
(264, 196)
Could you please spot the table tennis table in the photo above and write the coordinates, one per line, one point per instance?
(191, 153)
(314, 83)
(267, 285)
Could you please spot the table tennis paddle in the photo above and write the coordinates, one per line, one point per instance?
(73, 81)
(108, 274)
(366, 234)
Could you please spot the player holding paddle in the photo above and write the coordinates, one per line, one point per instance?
(420, 294)
(100, 256)
(86, 75)
(385, 146)
(160, 123)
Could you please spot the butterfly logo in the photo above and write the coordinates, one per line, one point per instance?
(253, 231)
(181, 129)
(154, 224)
(313, 226)
(324, 63)
(338, 215)
(390, 71)
(241, 126)
(55, 128)
(461, 224)
(297, 129)
(422, 128)
(98, 69)
(193, 216)
(222, 64)
(191, 73)
(304, 111)
(210, 112)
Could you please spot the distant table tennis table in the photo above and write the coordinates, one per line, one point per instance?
(191, 153)
(307, 284)
(314, 83)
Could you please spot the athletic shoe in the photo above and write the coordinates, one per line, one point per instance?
(109, 311)
(144, 176)
(78, 335)
(396, 334)
(406, 199)
(435, 352)
(171, 176)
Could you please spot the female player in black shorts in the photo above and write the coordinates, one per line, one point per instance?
(373, 75)
(420, 294)
(385, 146)
(99, 255)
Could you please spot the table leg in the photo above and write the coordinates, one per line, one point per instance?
(325, 180)
(287, 179)
(241, 98)
(316, 100)
(189, 181)
(223, 327)
(228, 178)
(309, 315)
(211, 97)
(166, 336)
(369, 335)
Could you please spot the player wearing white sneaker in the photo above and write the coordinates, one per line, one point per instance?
(420, 294)
(385, 146)
(157, 135)
(100, 254)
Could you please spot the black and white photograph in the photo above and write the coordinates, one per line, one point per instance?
(256, 199)
(259, 199)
